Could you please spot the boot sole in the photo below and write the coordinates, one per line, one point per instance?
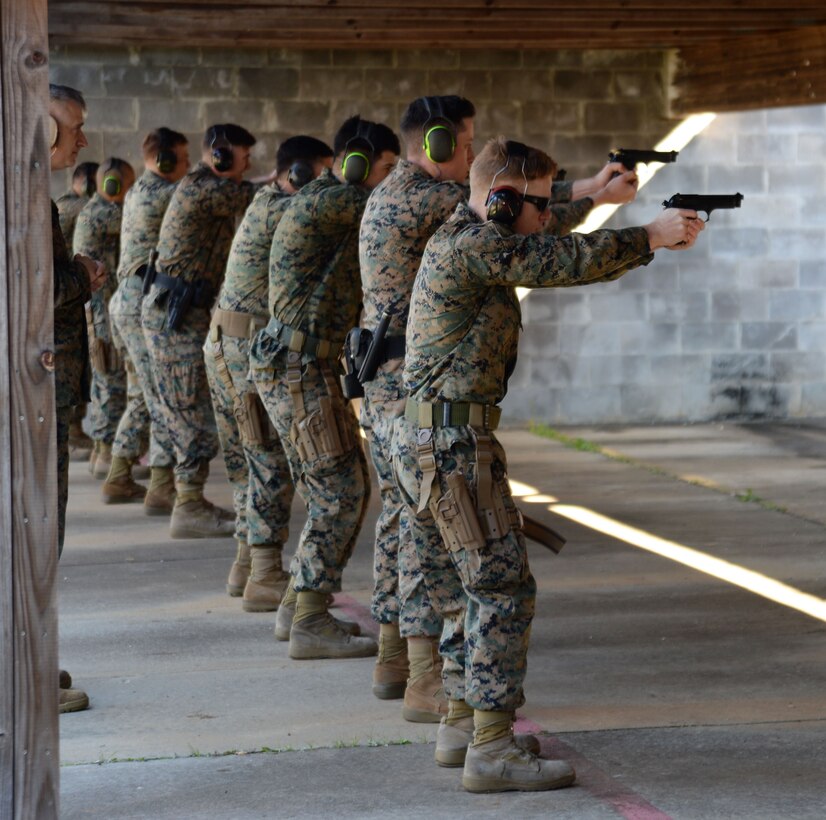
(420, 715)
(310, 654)
(156, 511)
(451, 759)
(183, 532)
(250, 606)
(281, 634)
(486, 785)
(115, 499)
(75, 706)
(235, 592)
(389, 691)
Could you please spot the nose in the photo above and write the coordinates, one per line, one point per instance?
(81, 139)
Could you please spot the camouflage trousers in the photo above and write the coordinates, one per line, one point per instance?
(142, 395)
(183, 393)
(63, 416)
(334, 484)
(132, 432)
(257, 466)
(108, 389)
(485, 595)
(399, 593)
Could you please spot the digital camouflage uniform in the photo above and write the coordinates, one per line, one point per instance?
(315, 289)
(97, 234)
(143, 209)
(194, 242)
(71, 292)
(462, 339)
(402, 213)
(69, 206)
(259, 471)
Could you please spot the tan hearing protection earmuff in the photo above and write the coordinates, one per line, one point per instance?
(54, 133)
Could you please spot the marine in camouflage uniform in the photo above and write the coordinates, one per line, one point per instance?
(462, 340)
(97, 234)
(314, 299)
(143, 210)
(71, 292)
(256, 463)
(193, 246)
(69, 206)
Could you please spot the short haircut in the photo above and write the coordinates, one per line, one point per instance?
(233, 134)
(162, 139)
(301, 148)
(62, 93)
(86, 171)
(379, 135)
(452, 107)
(509, 161)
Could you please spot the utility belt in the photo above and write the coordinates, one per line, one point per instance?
(237, 324)
(452, 414)
(103, 355)
(324, 433)
(296, 341)
(254, 424)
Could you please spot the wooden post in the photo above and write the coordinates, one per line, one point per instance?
(28, 446)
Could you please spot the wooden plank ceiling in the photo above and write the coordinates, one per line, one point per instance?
(733, 54)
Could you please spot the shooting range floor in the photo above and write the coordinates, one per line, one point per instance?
(673, 692)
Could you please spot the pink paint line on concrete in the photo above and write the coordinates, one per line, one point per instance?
(623, 800)
(356, 612)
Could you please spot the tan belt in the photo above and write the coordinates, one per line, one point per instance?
(237, 324)
(452, 414)
(296, 341)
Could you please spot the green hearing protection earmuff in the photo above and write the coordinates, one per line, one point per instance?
(438, 134)
(358, 157)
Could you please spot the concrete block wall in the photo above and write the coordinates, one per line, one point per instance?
(730, 329)
(577, 105)
(734, 328)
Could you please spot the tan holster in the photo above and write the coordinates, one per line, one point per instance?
(248, 410)
(320, 434)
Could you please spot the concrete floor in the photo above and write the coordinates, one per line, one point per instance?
(673, 693)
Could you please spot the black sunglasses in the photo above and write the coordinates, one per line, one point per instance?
(541, 203)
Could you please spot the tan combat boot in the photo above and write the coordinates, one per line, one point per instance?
(103, 462)
(120, 487)
(267, 582)
(496, 763)
(195, 517)
(455, 734)
(286, 613)
(316, 634)
(392, 666)
(73, 700)
(424, 697)
(239, 572)
(160, 497)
